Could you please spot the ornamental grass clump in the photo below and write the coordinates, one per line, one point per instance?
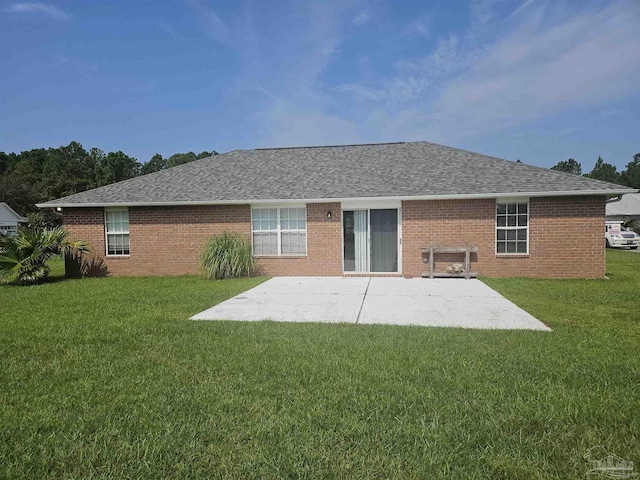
(227, 255)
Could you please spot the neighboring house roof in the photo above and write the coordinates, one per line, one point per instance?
(628, 206)
(9, 215)
(412, 170)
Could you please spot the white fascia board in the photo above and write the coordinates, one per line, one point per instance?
(364, 204)
(460, 196)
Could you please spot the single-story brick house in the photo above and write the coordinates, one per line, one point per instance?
(350, 210)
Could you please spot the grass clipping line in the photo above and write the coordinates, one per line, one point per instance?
(227, 255)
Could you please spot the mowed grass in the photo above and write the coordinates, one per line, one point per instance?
(106, 378)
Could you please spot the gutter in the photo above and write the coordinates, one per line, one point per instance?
(616, 199)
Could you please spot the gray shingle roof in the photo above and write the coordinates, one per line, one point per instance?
(8, 214)
(400, 170)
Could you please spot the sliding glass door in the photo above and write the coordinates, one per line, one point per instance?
(370, 240)
(384, 240)
(356, 240)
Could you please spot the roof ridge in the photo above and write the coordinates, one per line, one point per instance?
(327, 146)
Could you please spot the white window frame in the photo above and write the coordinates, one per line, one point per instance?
(279, 231)
(507, 202)
(123, 232)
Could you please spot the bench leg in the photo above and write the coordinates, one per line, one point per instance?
(431, 263)
(467, 266)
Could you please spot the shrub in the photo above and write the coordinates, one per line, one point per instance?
(24, 257)
(43, 220)
(633, 225)
(227, 255)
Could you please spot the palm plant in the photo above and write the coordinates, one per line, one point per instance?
(24, 257)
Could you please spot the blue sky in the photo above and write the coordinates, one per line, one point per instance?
(539, 81)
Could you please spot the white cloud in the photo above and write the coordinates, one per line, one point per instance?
(445, 59)
(329, 46)
(297, 108)
(421, 26)
(481, 12)
(290, 124)
(521, 8)
(497, 74)
(609, 112)
(167, 29)
(567, 131)
(397, 90)
(364, 94)
(535, 72)
(361, 18)
(540, 65)
(39, 7)
(213, 23)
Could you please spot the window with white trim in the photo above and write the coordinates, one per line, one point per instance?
(512, 228)
(116, 227)
(279, 231)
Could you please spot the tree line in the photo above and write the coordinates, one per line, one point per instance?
(43, 174)
(602, 170)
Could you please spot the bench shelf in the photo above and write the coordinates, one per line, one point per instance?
(431, 251)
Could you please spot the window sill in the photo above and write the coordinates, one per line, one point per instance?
(371, 274)
(118, 256)
(280, 256)
(512, 255)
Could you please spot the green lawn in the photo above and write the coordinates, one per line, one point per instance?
(105, 378)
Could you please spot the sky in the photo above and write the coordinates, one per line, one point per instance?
(540, 81)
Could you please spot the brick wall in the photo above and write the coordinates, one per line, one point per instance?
(324, 246)
(166, 240)
(565, 237)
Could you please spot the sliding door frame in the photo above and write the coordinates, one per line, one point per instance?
(368, 206)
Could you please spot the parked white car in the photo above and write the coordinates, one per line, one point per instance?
(617, 236)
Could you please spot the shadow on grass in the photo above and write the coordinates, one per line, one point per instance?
(79, 266)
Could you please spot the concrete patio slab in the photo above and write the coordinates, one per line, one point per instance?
(432, 287)
(286, 307)
(490, 312)
(313, 285)
(388, 301)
